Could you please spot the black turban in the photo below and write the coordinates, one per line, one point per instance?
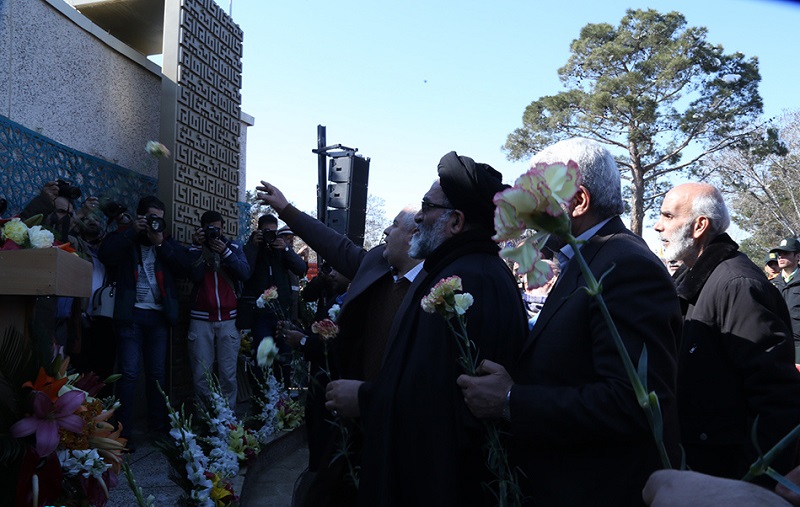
(470, 188)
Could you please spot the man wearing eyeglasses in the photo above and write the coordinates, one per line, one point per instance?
(422, 445)
(380, 278)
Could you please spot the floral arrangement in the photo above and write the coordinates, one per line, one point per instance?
(447, 299)
(18, 234)
(230, 441)
(76, 454)
(277, 411)
(204, 479)
(206, 454)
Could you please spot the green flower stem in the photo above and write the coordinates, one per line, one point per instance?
(344, 450)
(141, 501)
(651, 409)
(761, 465)
(507, 493)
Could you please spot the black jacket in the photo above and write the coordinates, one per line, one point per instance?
(422, 444)
(736, 362)
(791, 294)
(269, 267)
(579, 435)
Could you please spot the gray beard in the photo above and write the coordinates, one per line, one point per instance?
(682, 246)
(428, 239)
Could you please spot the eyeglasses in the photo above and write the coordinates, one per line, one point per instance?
(427, 206)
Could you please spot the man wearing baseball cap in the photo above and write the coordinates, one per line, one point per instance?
(771, 268)
(788, 282)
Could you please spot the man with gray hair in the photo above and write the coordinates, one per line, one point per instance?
(421, 444)
(380, 279)
(579, 435)
(736, 361)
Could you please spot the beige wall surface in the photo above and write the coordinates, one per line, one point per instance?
(61, 76)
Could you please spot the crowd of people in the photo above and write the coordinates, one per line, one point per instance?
(139, 266)
(716, 332)
(393, 420)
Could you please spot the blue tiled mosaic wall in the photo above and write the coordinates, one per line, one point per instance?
(28, 160)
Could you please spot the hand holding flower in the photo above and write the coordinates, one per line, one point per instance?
(485, 395)
(342, 397)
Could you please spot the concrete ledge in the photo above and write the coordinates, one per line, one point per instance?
(265, 479)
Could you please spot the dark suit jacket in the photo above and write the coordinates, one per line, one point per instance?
(363, 268)
(579, 434)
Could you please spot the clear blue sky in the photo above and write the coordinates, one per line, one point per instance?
(406, 82)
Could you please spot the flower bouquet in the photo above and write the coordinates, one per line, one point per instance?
(72, 454)
(276, 410)
(205, 478)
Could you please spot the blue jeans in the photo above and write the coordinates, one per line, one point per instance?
(145, 339)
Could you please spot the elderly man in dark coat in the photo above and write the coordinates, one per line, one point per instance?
(736, 360)
(577, 430)
(380, 279)
(422, 446)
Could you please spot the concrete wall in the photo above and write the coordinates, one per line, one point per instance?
(61, 76)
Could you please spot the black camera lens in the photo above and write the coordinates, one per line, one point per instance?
(112, 209)
(212, 233)
(268, 236)
(65, 189)
(155, 223)
(326, 268)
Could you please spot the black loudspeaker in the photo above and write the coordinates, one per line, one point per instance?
(347, 196)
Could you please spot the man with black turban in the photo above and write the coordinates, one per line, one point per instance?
(422, 445)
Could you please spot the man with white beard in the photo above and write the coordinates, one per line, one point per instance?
(736, 361)
(422, 446)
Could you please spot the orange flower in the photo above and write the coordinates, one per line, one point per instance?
(47, 384)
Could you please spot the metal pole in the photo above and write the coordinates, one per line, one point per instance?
(322, 177)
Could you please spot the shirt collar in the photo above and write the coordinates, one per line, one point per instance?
(566, 253)
(411, 274)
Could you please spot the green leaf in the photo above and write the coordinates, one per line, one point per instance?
(641, 368)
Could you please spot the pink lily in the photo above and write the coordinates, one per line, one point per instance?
(48, 418)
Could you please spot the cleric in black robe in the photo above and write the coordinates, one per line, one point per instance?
(422, 445)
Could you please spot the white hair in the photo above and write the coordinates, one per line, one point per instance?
(712, 205)
(599, 172)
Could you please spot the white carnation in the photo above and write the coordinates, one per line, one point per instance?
(40, 238)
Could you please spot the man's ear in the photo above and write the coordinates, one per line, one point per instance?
(702, 225)
(581, 202)
(456, 223)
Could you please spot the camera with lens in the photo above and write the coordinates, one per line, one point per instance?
(211, 232)
(326, 269)
(112, 209)
(155, 223)
(66, 189)
(268, 236)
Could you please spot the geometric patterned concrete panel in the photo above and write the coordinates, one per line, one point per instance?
(201, 109)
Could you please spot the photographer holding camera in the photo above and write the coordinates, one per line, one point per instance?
(271, 260)
(219, 267)
(144, 263)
